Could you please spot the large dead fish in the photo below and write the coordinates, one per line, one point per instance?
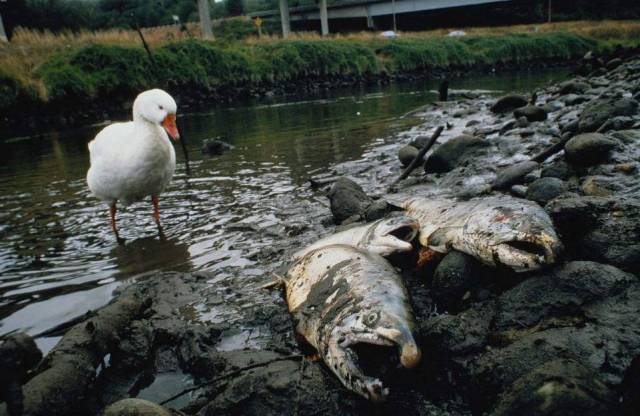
(499, 231)
(343, 298)
(384, 237)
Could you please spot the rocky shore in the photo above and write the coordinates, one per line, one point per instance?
(561, 341)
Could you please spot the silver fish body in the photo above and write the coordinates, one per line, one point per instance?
(341, 296)
(385, 236)
(498, 231)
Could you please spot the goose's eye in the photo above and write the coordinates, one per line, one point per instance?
(161, 107)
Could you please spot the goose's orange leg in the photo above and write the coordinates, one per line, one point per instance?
(112, 214)
(156, 213)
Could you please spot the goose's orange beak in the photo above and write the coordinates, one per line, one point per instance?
(169, 124)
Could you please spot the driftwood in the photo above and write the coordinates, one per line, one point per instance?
(68, 371)
(416, 161)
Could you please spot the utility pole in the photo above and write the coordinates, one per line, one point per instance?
(393, 10)
(3, 34)
(284, 17)
(324, 18)
(549, 13)
(205, 19)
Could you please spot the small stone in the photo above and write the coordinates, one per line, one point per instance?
(347, 199)
(531, 112)
(406, 154)
(625, 168)
(519, 190)
(514, 174)
(588, 149)
(508, 103)
(447, 156)
(376, 210)
(522, 122)
(558, 169)
(544, 190)
(597, 186)
(614, 63)
(573, 87)
(453, 278)
(215, 147)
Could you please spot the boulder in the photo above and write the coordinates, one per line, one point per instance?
(509, 103)
(544, 190)
(557, 169)
(558, 387)
(447, 156)
(588, 149)
(347, 199)
(599, 111)
(531, 112)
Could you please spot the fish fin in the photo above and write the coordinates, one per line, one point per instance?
(278, 282)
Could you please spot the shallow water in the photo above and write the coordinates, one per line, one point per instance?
(58, 257)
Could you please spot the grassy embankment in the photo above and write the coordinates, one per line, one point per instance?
(46, 71)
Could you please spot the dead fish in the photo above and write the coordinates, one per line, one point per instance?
(384, 237)
(498, 231)
(343, 298)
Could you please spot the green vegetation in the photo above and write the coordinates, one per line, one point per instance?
(112, 75)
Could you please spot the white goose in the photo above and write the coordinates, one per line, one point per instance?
(135, 159)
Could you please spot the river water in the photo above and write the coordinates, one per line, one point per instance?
(58, 257)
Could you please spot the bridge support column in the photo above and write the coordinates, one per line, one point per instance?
(324, 19)
(284, 17)
(370, 23)
(3, 35)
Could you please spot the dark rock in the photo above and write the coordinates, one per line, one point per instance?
(448, 155)
(573, 87)
(599, 111)
(18, 355)
(544, 190)
(618, 123)
(509, 125)
(599, 186)
(600, 229)
(377, 210)
(575, 99)
(277, 388)
(522, 122)
(559, 387)
(420, 142)
(571, 127)
(631, 388)
(452, 279)
(215, 147)
(588, 149)
(514, 174)
(406, 155)
(614, 63)
(531, 112)
(557, 169)
(347, 199)
(135, 407)
(519, 190)
(509, 103)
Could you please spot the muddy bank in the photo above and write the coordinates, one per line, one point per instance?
(557, 341)
(191, 98)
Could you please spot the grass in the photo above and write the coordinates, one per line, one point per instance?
(43, 67)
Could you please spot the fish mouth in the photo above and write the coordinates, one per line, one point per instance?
(524, 255)
(373, 359)
(406, 233)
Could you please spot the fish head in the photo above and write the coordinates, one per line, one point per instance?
(520, 237)
(390, 235)
(363, 347)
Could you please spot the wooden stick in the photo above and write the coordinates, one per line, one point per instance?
(416, 161)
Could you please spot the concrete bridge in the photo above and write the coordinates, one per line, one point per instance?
(366, 9)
